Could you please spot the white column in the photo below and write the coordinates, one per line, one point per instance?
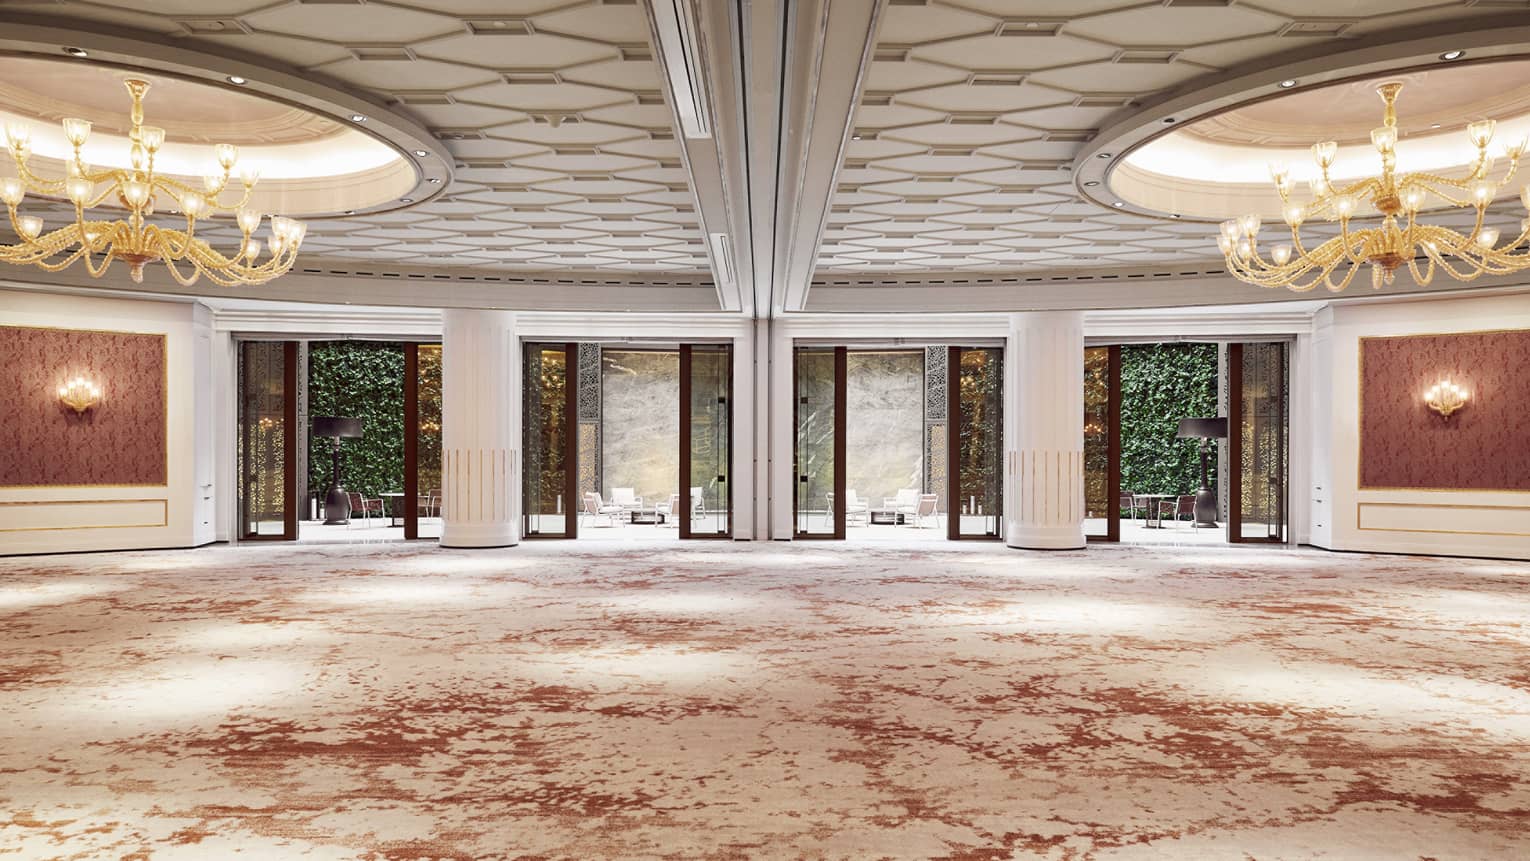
(479, 433)
(1044, 458)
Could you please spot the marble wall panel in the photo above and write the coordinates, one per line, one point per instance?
(640, 422)
(884, 423)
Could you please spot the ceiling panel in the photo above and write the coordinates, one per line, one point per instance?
(973, 111)
(553, 110)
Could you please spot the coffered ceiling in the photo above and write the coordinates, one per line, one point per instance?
(553, 111)
(972, 112)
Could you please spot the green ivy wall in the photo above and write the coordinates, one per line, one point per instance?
(358, 379)
(1160, 384)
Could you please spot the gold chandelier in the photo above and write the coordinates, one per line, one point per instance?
(1400, 238)
(137, 241)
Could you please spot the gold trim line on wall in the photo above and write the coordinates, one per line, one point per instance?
(164, 516)
(1430, 505)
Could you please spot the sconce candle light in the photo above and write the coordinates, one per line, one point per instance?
(1445, 398)
(79, 394)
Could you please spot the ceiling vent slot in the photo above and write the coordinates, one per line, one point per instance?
(532, 78)
(555, 120)
(1045, 164)
(1017, 189)
(891, 53)
(952, 150)
(1030, 27)
(213, 26)
(496, 25)
(635, 51)
(670, 164)
(1145, 56)
(465, 133)
(996, 79)
(649, 97)
(330, 2)
(908, 2)
(1070, 135)
(372, 53)
(1103, 100)
(604, 198)
(846, 188)
(876, 99)
(423, 97)
(857, 163)
(1196, 4)
(660, 135)
(575, 149)
(863, 134)
(1317, 27)
(973, 118)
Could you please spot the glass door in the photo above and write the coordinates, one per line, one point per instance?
(268, 441)
(1257, 404)
(976, 414)
(550, 482)
(422, 441)
(705, 500)
(818, 464)
(1102, 444)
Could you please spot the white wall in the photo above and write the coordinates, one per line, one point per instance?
(1344, 517)
(50, 519)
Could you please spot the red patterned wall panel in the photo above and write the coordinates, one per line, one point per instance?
(44, 443)
(1485, 446)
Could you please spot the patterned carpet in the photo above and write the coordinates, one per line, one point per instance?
(763, 700)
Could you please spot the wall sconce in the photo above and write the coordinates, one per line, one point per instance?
(1445, 398)
(79, 394)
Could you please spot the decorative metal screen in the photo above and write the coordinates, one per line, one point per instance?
(589, 419)
(936, 380)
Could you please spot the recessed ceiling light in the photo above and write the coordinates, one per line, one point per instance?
(1103, 155)
(1091, 183)
(855, 137)
(406, 200)
(358, 118)
(1168, 121)
(1174, 215)
(1452, 55)
(1434, 125)
(76, 52)
(350, 212)
(421, 153)
(434, 180)
(237, 81)
(1118, 204)
(1288, 83)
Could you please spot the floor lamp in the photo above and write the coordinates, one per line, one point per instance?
(337, 503)
(1204, 429)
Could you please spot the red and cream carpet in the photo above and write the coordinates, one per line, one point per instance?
(763, 700)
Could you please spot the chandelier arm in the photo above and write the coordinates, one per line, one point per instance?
(1354, 267)
(183, 280)
(106, 262)
(35, 182)
(1427, 185)
(1426, 276)
(1357, 241)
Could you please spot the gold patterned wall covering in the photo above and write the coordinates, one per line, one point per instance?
(121, 441)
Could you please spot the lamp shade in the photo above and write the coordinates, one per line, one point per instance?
(337, 427)
(1202, 428)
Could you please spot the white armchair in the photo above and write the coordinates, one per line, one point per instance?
(626, 497)
(595, 507)
(698, 504)
(925, 505)
(856, 509)
(908, 497)
(667, 510)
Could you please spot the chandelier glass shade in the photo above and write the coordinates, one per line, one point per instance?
(1400, 238)
(140, 190)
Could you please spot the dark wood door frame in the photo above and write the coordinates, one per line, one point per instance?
(411, 500)
(953, 448)
(1112, 446)
(684, 522)
(1235, 451)
(840, 399)
(572, 502)
(289, 445)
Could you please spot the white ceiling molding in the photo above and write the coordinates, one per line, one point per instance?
(699, 51)
(829, 46)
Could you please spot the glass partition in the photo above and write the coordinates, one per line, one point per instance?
(977, 417)
(1102, 426)
(819, 467)
(1257, 399)
(267, 440)
(550, 479)
(427, 442)
(706, 404)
